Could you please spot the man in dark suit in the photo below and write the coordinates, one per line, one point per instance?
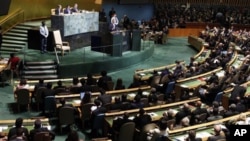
(38, 128)
(102, 82)
(18, 125)
(185, 111)
(58, 10)
(104, 98)
(217, 134)
(231, 111)
(238, 91)
(198, 110)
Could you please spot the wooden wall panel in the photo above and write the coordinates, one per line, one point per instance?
(183, 32)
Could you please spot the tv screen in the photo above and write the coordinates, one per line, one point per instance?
(5, 5)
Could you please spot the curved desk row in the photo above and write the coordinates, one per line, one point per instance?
(203, 130)
(6, 125)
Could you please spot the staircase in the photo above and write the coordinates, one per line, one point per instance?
(39, 70)
(15, 39)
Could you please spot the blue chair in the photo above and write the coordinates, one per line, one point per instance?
(169, 89)
(218, 97)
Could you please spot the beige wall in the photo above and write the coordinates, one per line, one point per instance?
(34, 9)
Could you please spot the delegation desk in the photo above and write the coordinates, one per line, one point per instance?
(155, 111)
(227, 94)
(6, 125)
(203, 130)
(74, 99)
(195, 81)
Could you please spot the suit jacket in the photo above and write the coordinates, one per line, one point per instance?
(13, 131)
(105, 98)
(102, 82)
(34, 131)
(238, 91)
(216, 137)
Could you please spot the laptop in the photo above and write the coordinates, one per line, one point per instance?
(82, 95)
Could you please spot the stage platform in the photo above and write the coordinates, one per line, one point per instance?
(81, 61)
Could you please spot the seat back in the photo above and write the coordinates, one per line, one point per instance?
(110, 85)
(50, 104)
(218, 97)
(145, 102)
(160, 99)
(202, 117)
(59, 90)
(155, 82)
(127, 132)
(38, 94)
(23, 96)
(169, 89)
(57, 37)
(66, 115)
(42, 136)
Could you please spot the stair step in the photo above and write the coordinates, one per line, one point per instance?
(33, 72)
(18, 31)
(16, 34)
(16, 38)
(10, 49)
(23, 27)
(14, 41)
(40, 77)
(40, 67)
(40, 63)
(12, 45)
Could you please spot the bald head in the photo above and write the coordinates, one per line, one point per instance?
(217, 129)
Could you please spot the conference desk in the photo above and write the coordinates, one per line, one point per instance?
(145, 74)
(196, 42)
(76, 23)
(3, 63)
(204, 130)
(6, 125)
(155, 111)
(227, 94)
(74, 99)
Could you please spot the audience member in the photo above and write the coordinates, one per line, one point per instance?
(185, 111)
(192, 136)
(90, 79)
(119, 84)
(218, 134)
(102, 81)
(104, 98)
(39, 128)
(73, 136)
(18, 130)
(39, 85)
(142, 119)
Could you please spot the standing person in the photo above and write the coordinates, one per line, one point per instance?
(1, 41)
(114, 22)
(44, 32)
(67, 10)
(13, 63)
(111, 12)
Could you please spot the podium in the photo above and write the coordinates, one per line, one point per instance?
(136, 40)
(113, 43)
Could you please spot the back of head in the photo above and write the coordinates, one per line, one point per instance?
(82, 81)
(117, 99)
(198, 104)
(72, 136)
(59, 83)
(49, 85)
(75, 80)
(141, 111)
(12, 55)
(97, 102)
(19, 122)
(104, 73)
(192, 134)
(37, 124)
(217, 129)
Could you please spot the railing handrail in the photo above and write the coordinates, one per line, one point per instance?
(10, 16)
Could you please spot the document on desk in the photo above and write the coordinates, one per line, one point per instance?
(152, 114)
(3, 127)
